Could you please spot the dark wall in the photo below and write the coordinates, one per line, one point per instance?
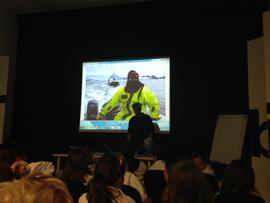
(206, 44)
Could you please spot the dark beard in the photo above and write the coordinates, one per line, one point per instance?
(133, 86)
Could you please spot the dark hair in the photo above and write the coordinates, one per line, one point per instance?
(137, 105)
(107, 172)
(133, 164)
(77, 165)
(239, 177)
(187, 184)
(160, 152)
(201, 156)
(154, 183)
(128, 150)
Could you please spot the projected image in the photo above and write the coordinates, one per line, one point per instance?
(110, 88)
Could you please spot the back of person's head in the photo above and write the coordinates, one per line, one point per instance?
(128, 150)
(108, 172)
(160, 152)
(171, 163)
(108, 169)
(239, 177)
(132, 164)
(154, 182)
(33, 189)
(200, 160)
(187, 184)
(137, 107)
(77, 165)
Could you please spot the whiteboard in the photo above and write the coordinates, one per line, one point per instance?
(229, 138)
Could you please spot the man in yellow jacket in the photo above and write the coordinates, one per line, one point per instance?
(133, 92)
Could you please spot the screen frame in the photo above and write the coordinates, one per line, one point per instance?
(123, 59)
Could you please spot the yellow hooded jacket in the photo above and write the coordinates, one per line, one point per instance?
(143, 95)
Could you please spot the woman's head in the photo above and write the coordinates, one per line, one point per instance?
(35, 188)
(77, 165)
(187, 184)
(108, 170)
(108, 173)
(238, 177)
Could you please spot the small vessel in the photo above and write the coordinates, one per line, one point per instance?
(113, 82)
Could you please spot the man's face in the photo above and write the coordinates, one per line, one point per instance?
(131, 82)
(133, 76)
(132, 79)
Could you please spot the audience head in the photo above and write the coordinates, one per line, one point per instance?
(128, 150)
(108, 170)
(159, 153)
(187, 184)
(107, 173)
(137, 107)
(20, 168)
(200, 161)
(239, 177)
(77, 165)
(35, 188)
(154, 182)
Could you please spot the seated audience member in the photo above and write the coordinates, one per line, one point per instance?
(127, 189)
(76, 173)
(239, 184)
(155, 179)
(105, 185)
(35, 188)
(134, 165)
(187, 184)
(159, 159)
(201, 162)
(154, 182)
(132, 180)
(22, 168)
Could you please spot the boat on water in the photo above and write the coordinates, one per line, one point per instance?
(113, 82)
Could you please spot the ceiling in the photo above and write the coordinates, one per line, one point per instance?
(34, 6)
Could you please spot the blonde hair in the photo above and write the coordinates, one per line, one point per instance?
(36, 188)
